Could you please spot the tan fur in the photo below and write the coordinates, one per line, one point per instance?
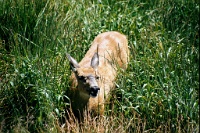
(112, 48)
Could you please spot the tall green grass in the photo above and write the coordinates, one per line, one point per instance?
(159, 92)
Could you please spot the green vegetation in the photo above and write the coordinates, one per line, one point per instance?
(159, 92)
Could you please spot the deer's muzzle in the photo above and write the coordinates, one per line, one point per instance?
(94, 91)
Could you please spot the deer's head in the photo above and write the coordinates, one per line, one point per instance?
(87, 77)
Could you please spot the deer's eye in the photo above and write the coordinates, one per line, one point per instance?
(97, 77)
(81, 78)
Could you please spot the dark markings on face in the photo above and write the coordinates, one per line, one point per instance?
(92, 87)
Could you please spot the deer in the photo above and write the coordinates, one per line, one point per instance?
(93, 78)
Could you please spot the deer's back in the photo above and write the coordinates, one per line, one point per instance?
(111, 46)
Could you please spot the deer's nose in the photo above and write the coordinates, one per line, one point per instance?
(94, 91)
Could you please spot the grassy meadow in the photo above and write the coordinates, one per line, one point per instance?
(159, 92)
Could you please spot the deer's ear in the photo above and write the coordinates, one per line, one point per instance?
(95, 61)
(73, 63)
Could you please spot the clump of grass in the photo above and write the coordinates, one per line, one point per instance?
(111, 123)
(159, 92)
